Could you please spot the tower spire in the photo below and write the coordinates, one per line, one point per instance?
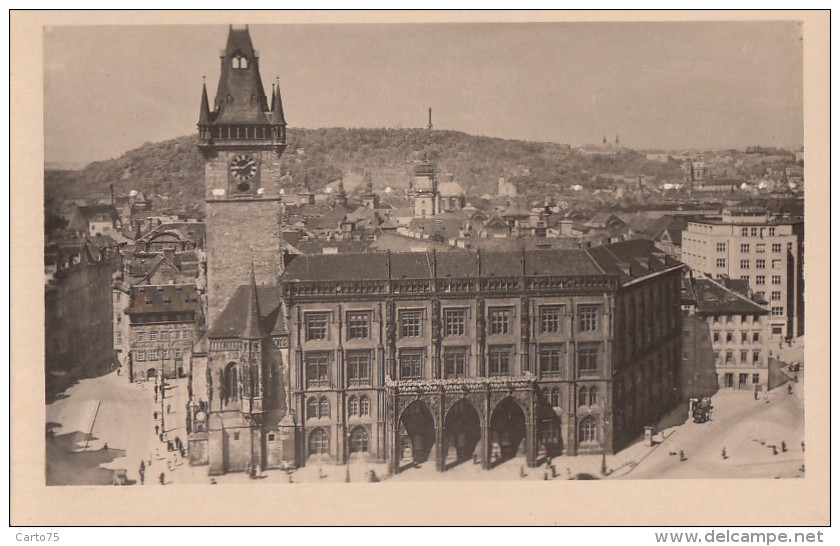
(252, 328)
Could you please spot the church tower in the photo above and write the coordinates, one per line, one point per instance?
(241, 137)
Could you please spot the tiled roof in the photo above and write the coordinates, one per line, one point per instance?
(232, 321)
(170, 298)
(714, 298)
(639, 255)
(631, 259)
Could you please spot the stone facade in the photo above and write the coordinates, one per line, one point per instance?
(478, 367)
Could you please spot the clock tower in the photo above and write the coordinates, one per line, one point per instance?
(241, 137)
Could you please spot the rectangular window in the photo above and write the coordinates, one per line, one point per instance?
(141, 355)
(454, 322)
(551, 359)
(164, 335)
(756, 357)
(760, 248)
(755, 379)
(119, 338)
(317, 326)
(744, 357)
(317, 369)
(745, 338)
(721, 247)
(411, 364)
(728, 319)
(777, 247)
(745, 232)
(154, 354)
(587, 359)
(745, 264)
(152, 336)
(776, 264)
(716, 319)
(551, 319)
(358, 367)
(358, 325)
(756, 337)
(745, 248)
(164, 354)
(176, 353)
(760, 280)
(775, 296)
(588, 317)
(729, 357)
(455, 362)
(500, 321)
(716, 337)
(771, 232)
(729, 337)
(754, 232)
(721, 262)
(777, 330)
(499, 359)
(759, 264)
(745, 319)
(745, 278)
(411, 323)
(777, 279)
(777, 311)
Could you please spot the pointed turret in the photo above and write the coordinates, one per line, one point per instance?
(204, 117)
(279, 118)
(85, 256)
(252, 329)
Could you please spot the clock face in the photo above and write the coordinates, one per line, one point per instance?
(243, 169)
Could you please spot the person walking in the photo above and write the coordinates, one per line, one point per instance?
(157, 430)
(723, 453)
(162, 478)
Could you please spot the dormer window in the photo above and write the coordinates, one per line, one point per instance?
(239, 61)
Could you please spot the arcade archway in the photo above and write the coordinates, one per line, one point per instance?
(507, 431)
(416, 434)
(462, 433)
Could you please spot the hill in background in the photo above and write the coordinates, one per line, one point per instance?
(172, 171)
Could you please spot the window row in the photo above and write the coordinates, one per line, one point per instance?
(760, 264)
(762, 280)
(761, 248)
(163, 335)
(318, 368)
(729, 319)
(319, 408)
(729, 357)
(455, 322)
(730, 337)
(160, 354)
(319, 441)
(758, 231)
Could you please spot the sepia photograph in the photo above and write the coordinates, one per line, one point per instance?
(379, 255)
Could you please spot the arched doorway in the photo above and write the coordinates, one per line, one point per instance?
(462, 432)
(507, 431)
(417, 433)
(151, 373)
(549, 430)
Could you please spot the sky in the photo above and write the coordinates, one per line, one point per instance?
(666, 85)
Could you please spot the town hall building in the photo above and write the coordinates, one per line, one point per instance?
(403, 358)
